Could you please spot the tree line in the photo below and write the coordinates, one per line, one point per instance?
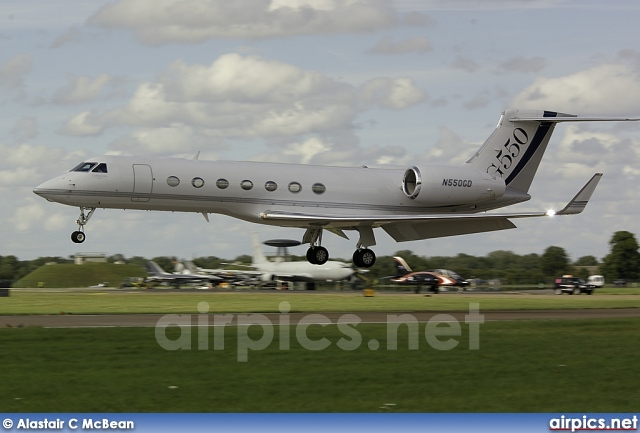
(623, 262)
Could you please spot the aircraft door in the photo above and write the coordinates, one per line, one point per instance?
(142, 182)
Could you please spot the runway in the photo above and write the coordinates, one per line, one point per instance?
(151, 320)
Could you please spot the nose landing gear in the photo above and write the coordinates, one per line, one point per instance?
(78, 236)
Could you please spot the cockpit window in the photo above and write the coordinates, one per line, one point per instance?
(101, 168)
(85, 166)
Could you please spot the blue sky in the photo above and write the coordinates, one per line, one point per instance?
(313, 81)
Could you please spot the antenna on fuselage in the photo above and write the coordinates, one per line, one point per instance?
(196, 155)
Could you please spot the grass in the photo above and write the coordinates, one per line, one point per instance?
(71, 275)
(530, 366)
(113, 302)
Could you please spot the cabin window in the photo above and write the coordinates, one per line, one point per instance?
(222, 183)
(173, 181)
(84, 166)
(197, 182)
(101, 168)
(318, 188)
(246, 185)
(295, 187)
(270, 186)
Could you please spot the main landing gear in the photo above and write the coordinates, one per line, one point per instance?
(78, 236)
(363, 257)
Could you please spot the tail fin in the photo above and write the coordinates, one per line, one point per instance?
(514, 150)
(154, 269)
(258, 255)
(190, 268)
(402, 266)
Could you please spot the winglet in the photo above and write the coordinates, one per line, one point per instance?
(581, 199)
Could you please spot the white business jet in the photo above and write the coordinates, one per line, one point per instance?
(409, 203)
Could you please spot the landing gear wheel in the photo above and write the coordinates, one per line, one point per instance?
(78, 237)
(364, 258)
(317, 255)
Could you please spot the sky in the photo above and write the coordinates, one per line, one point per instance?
(330, 82)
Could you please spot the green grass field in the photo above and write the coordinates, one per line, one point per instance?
(531, 366)
(111, 302)
(521, 366)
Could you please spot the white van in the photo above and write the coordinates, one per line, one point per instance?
(596, 280)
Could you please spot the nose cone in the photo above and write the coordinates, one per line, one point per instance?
(53, 188)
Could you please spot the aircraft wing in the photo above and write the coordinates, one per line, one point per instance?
(406, 227)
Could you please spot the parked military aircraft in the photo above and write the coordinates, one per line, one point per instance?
(409, 203)
(284, 270)
(431, 279)
(158, 275)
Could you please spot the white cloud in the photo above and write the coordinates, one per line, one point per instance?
(82, 89)
(173, 139)
(83, 124)
(13, 71)
(244, 79)
(608, 89)
(305, 152)
(241, 97)
(394, 93)
(24, 217)
(157, 22)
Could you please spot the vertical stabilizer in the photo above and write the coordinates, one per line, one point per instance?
(154, 269)
(258, 256)
(514, 150)
(402, 266)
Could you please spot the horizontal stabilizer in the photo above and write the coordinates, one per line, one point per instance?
(571, 118)
(581, 199)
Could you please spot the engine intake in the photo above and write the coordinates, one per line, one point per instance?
(450, 186)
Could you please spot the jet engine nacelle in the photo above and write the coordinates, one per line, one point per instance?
(449, 186)
(266, 277)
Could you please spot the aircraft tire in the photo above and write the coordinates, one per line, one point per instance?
(317, 255)
(78, 237)
(364, 258)
(311, 256)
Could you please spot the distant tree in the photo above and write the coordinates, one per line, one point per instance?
(6, 272)
(138, 260)
(209, 262)
(503, 259)
(624, 259)
(554, 261)
(586, 261)
(8, 267)
(245, 259)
